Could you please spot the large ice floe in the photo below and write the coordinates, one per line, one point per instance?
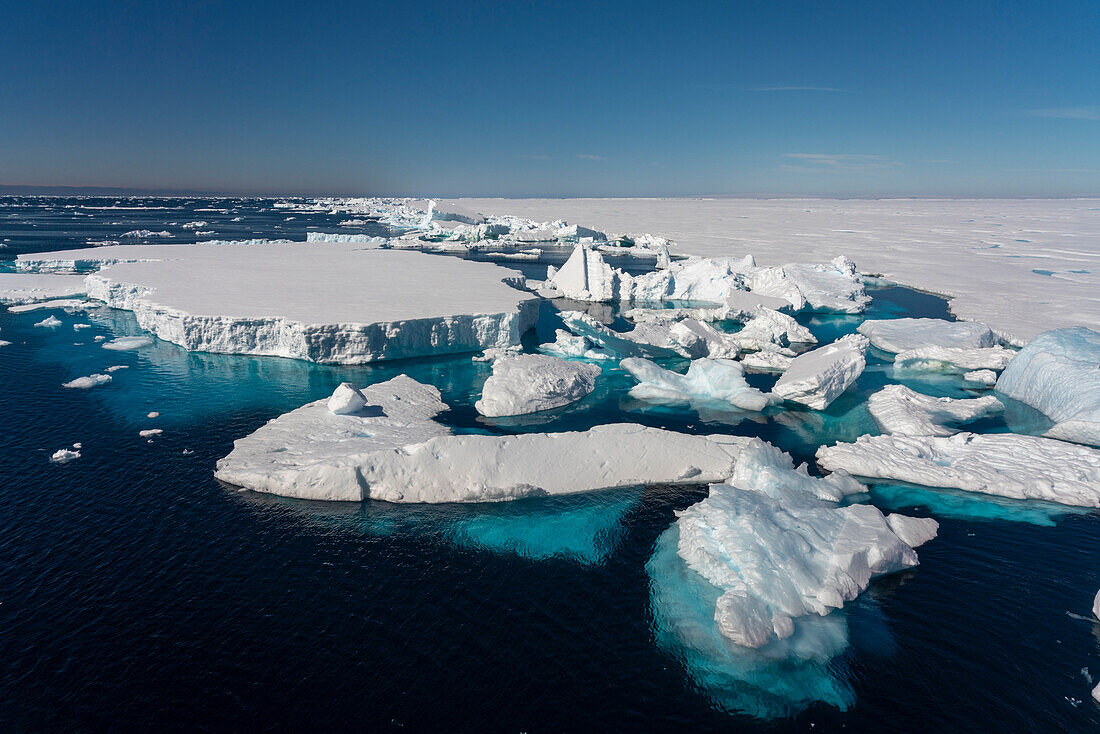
(903, 335)
(1005, 464)
(818, 377)
(17, 288)
(1058, 373)
(528, 383)
(323, 303)
(707, 381)
(902, 411)
(394, 450)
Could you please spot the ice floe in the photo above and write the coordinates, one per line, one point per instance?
(901, 411)
(818, 377)
(64, 456)
(21, 288)
(1058, 372)
(834, 287)
(393, 450)
(50, 322)
(1005, 464)
(127, 343)
(528, 383)
(960, 359)
(83, 383)
(904, 335)
(706, 381)
(983, 378)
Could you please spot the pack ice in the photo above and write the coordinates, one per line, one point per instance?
(1005, 464)
(528, 383)
(264, 299)
(778, 545)
(1058, 372)
(392, 449)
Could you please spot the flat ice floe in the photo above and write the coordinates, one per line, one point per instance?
(1005, 464)
(323, 303)
(780, 547)
(528, 383)
(706, 381)
(1058, 373)
(903, 335)
(18, 288)
(393, 450)
(961, 359)
(901, 411)
(84, 383)
(818, 377)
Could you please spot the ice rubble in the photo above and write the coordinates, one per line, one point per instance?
(706, 380)
(528, 383)
(17, 288)
(83, 383)
(262, 299)
(778, 545)
(393, 450)
(1058, 373)
(903, 335)
(1005, 464)
(570, 345)
(818, 377)
(900, 411)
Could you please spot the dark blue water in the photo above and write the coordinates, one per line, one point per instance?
(138, 592)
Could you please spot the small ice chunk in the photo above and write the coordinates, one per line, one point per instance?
(758, 362)
(771, 331)
(346, 399)
(817, 377)
(984, 378)
(902, 335)
(117, 367)
(913, 531)
(99, 338)
(721, 380)
(528, 383)
(153, 414)
(1096, 605)
(126, 343)
(83, 383)
(64, 456)
(51, 322)
(900, 411)
(77, 327)
(150, 432)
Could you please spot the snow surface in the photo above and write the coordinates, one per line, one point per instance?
(779, 546)
(818, 377)
(1058, 373)
(706, 380)
(901, 411)
(902, 335)
(263, 299)
(528, 383)
(1005, 464)
(990, 255)
(393, 450)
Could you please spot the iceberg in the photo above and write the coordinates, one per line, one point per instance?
(778, 545)
(1058, 373)
(64, 456)
(765, 362)
(262, 300)
(1004, 464)
(768, 330)
(528, 383)
(903, 335)
(706, 381)
(568, 345)
(395, 451)
(50, 322)
(83, 383)
(818, 377)
(900, 411)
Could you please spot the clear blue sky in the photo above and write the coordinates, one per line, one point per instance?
(554, 98)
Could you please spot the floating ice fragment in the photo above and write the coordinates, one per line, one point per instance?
(902, 411)
(83, 383)
(64, 456)
(49, 323)
(954, 358)
(706, 380)
(984, 378)
(346, 399)
(126, 343)
(902, 335)
(153, 414)
(150, 432)
(528, 383)
(818, 377)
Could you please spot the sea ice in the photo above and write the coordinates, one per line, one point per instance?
(900, 411)
(50, 322)
(1005, 464)
(346, 399)
(902, 335)
(528, 383)
(766, 362)
(127, 343)
(64, 456)
(1058, 373)
(817, 377)
(707, 380)
(395, 451)
(83, 383)
(569, 345)
(60, 303)
(150, 432)
(984, 378)
(962, 359)
(834, 288)
(778, 545)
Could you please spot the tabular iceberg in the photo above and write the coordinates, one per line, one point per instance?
(1058, 372)
(29, 287)
(1005, 464)
(393, 450)
(707, 380)
(528, 383)
(902, 335)
(900, 411)
(817, 377)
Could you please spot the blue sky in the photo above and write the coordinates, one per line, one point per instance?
(554, 98)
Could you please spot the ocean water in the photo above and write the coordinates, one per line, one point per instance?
(138, 592)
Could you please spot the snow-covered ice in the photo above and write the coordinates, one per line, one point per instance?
(528, 383)
(706, 381)
(901, 411)
(64, 456)
(1058, 373)
(904, 335)
(83, 383)
(834, 287)
(1005, 464)
(70, 303)
(127, 343)
(394, 451)
(983, 378)
(50, 322)
(960, 359)
(818, 377)
(263, 299)
(778, 545)
(346, 399)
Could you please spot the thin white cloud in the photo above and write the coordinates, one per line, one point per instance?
(836, 163)
(590, 157)
(535, 157)
(1067, 113)
(798, 89)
